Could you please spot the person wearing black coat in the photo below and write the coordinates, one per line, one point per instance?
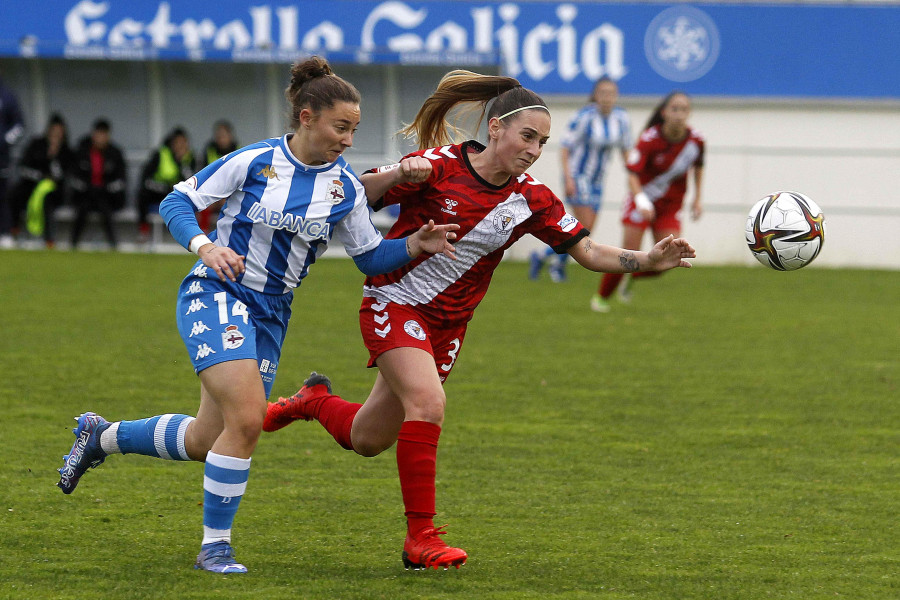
(98, 181)
(40, 188)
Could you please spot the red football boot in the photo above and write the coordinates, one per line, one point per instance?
(302, 405)
(426, 550)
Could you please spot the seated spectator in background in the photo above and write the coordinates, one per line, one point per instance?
(169, 164)
(43, 168)
(98, 181)
(223, 142)
(12, 128)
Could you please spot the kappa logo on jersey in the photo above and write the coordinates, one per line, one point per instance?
(195, 288)
(196, 304)
(200, 271)
(290, 222)
(203, 350)
(335, 191)
(502, 220)
(269, 173)
(232, 338)
(414, 330)
(451, 204)
(567, 223)
(197, 328)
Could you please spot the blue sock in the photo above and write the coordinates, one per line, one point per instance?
(224, 482)
(161, 436)
(548, 252)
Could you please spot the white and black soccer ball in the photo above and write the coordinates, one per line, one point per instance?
(785, 230)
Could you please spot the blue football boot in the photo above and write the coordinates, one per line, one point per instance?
(86, 452)
(218, 557)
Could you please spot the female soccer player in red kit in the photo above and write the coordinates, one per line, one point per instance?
(414, 319)
(658, 170)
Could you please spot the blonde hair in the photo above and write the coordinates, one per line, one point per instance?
(459, 88)
(315, 86)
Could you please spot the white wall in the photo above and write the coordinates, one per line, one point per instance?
(845, 156)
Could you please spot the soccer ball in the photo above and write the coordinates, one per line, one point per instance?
(785, 231)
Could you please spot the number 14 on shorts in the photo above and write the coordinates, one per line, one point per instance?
(238, 309)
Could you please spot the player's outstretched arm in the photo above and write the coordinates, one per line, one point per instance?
(667, 254)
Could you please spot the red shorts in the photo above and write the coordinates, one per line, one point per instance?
(387, 326)
(666, 215)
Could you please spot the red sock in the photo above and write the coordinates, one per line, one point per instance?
(336, 416)
(641, 274)
(609, 283)
(416, 463)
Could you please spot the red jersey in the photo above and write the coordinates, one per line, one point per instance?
(491, 219)
(662, 166)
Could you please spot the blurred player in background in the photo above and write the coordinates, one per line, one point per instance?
(658, 166)
(414, 319)
(594, 132)
(223, 142)
(285, 200)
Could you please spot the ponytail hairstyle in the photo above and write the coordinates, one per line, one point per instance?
(315, 86)
(656, 118)
(431, 126)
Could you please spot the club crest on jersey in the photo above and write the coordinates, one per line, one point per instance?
(232, 338)
(451, 204)
(335, 191)
(414, 330)
(503, 219)
(567, 223)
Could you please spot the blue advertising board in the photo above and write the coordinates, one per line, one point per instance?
(745, 50)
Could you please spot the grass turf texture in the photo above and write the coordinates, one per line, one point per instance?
(730, 434)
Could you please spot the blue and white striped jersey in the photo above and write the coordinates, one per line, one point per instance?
(280, 213)
(590, 138)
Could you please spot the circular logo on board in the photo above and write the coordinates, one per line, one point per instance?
(682, 43)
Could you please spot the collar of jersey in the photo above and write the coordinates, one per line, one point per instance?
(475, 145)
(293, 159)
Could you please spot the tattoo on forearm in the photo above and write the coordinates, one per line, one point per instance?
(629, 262)
(587, 244)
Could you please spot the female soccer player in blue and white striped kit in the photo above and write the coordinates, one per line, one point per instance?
(285, 200)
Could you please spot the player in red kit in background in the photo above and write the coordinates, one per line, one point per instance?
(414, 319)
(658, 166)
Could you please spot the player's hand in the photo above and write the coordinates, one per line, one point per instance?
(645, 206)
(224, 261)
(696, 211)
(570, 187)
(669, 253)
(434, 239)
(414, 169)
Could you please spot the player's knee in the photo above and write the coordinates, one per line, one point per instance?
(368, 446)
(426, 406)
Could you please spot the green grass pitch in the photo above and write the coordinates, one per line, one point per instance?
(732, 434)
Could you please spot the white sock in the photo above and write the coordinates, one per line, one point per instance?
(108, 441)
